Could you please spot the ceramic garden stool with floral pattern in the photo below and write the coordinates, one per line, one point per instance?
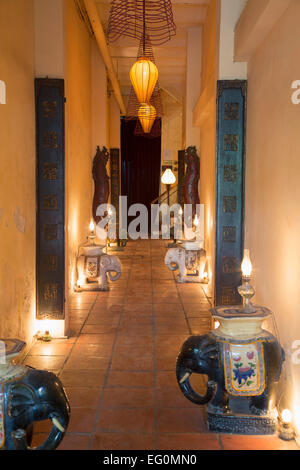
(189, 258)
(243, 364)
(28, 395)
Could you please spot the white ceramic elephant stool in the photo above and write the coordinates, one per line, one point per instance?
(93, 267)
(190, 260)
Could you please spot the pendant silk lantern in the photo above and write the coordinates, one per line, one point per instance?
(147, 115)
(143, 76)
(133, 105)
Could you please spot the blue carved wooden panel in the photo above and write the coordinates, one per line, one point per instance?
(50, 252)
(231, 109)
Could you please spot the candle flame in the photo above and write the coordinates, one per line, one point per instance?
(92, 225)
(286, 416)
(246, 264)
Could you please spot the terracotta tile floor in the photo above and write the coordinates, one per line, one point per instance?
(118, 364)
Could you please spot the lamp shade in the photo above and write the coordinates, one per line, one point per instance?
(168, 177)
(147, 115)
(143, 76)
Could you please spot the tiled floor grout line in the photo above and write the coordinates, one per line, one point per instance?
(206, 296)
(73, 344)
(154, 363)
(182, 305)
(161, 429)
(220, 442)
(108, 369)
(78, 335)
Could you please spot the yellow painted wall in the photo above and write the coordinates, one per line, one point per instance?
(78, 133)
(171, 135)
(18, 64)
(86, 127)
(114, 123)
(17, 176)
(205, 117)
(272, 185)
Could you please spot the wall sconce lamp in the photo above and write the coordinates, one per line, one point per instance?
(168, 178)
(246, 291)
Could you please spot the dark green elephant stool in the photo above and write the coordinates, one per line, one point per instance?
(243, 364)
(28, 395)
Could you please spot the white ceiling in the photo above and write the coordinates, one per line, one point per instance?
(170, 57)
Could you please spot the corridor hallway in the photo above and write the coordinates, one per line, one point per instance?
(118, 365)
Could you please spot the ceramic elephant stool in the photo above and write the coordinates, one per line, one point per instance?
(191, 257)
(28, 395)
(242, 375)
(93, 269)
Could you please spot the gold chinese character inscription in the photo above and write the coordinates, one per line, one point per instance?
(51, 263)
(231, 111)
(50, 232)
(230, 173)
(231, 142)
(50, 291)
(50, 140)
(228, 296)
(50, 171)
(229, 265)
(50, 315)
(49, 109)
(50, 203)
(229, 204)
(229, 234)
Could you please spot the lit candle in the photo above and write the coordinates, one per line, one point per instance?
(246, 264)
(286, 416)
(92, 226)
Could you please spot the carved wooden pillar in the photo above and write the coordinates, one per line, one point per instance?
(115, 179)
(101, 181)
(231, 109)
(191, 178)
(181, 170)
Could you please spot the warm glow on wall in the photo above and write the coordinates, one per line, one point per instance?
(143, 76)
(296, 416)
(147, 115)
